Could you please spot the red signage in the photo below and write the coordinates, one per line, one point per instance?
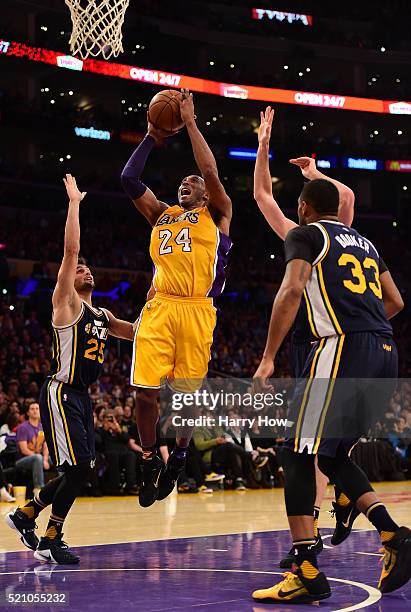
(229, 90)
(398, 165)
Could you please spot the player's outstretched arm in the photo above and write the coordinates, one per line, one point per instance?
(285, 307)
(66, 302)
(347, 197)
(219, 203)
(263, 186)
(143, 198)
(393, 302)
(119, 328)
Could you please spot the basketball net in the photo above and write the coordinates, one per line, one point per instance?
(97, 27)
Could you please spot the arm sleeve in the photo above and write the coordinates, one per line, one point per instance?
(303, 242)
(382, 266)
(130, 176)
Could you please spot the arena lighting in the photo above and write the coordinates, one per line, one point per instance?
(260, 13)
(361, 163)
(241, 153)
(229, 90)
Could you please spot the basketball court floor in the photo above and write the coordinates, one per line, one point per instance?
(194, 552)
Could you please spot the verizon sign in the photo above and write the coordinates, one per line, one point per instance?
(259, 13)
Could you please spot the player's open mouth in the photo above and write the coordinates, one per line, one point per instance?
(185, 191)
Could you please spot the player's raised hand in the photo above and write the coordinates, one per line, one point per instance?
(73, 192)
(306, 165)
(266, 122)
(187, 106)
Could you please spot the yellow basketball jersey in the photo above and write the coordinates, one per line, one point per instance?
(189, 253)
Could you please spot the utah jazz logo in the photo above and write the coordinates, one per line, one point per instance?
(98, 329)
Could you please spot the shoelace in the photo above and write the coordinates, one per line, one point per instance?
(289, 576)
(61, 542)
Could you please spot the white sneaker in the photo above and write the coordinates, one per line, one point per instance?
(5, 496)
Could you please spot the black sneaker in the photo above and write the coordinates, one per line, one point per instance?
(288, 561)
(18, 521)
(55, 551)
(150, 475)
(344, 519)
(396, 569)
(170, 475)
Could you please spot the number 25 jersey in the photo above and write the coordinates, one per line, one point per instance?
(189, 253)
(78, 349)
(343, 294)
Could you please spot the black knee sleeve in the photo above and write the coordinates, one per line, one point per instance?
(300, 487)
(71, 485)
(76, 476)
(345, 474)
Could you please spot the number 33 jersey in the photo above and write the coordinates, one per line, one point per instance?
(78, 349)
(343, 294)
(189, 253)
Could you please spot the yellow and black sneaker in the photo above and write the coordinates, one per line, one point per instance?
(396, 569)
(345, 514)
(296, 588)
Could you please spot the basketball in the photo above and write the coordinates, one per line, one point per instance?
(164, 111)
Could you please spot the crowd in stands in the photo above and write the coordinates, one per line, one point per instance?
(242, 457)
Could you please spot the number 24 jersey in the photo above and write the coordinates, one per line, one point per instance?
(189, 253)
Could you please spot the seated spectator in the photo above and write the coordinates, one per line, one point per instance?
(8, 444)
(128, 417)
(99, 414)
(118, 456)
(221, 454)
(33, 455)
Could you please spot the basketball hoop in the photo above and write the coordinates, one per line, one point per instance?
(97, 27)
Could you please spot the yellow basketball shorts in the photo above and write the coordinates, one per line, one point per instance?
(172, 342)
